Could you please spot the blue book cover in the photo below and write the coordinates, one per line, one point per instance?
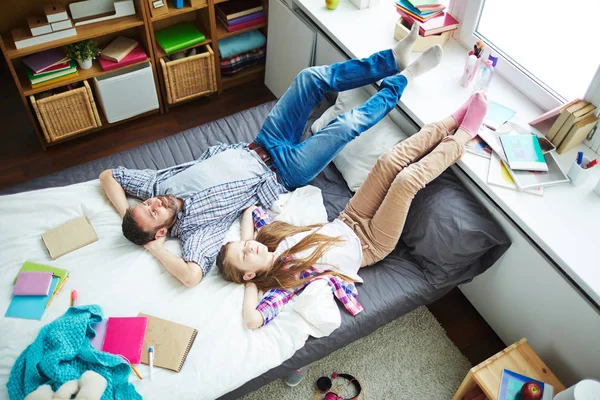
(414, 10)
(523, 153)
(30, 307)
(511, 384)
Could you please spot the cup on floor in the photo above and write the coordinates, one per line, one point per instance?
(577, 173)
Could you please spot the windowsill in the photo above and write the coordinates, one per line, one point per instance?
(564, 222)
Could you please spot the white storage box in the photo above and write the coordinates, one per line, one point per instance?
(127, 92)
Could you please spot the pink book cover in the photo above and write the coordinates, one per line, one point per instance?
(125, 336)
(33, 284)
(136, 55)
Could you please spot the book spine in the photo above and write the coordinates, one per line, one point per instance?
(243, 13)
(246, 25)
(246, 18)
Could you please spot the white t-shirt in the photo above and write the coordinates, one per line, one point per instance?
(345, 257)
(228, 166)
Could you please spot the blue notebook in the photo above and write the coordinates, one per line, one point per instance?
(523, 153)
(30, 307)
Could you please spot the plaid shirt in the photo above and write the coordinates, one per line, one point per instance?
(231, 65)
(274, 300)
(206, 216)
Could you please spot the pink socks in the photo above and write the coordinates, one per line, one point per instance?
(470, 115)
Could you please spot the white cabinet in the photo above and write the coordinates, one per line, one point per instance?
(523, 295)
(326, 53)
(290, 47)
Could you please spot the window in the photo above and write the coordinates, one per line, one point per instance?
(549, 56)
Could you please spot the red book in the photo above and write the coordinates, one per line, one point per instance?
(53, 68)
(440, 23)
(136, 55)
(245, 25)
(409, 16)
(125, 336)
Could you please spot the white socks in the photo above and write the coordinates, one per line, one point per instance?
(404, 47)
(427, 61)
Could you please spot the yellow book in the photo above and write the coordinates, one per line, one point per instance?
(578, 133)
(564, 115)
(571, 120)
(60, 79)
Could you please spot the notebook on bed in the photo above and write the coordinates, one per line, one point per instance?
(172, 342)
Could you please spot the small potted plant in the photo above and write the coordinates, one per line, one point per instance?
(84, 52)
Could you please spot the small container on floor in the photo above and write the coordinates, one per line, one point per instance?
(297, 376)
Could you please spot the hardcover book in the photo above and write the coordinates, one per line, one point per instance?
(523, 152)
(179, 37)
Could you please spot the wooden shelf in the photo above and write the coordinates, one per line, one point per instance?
(84, 74)
(178, 11)
(160, 53)
(243, 76)
(83, 32)
(220, 1)
(223, 33)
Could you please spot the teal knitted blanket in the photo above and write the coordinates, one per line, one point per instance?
(62, 352)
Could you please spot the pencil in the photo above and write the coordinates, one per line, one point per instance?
(136, 371)
(56, 291)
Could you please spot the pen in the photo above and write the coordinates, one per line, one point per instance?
(591, 163)
(579, 157)
(151, 359)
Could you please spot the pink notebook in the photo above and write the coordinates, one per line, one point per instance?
(136, 55)
(125, 336)
(33, 284)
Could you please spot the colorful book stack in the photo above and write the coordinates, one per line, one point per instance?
(572, 126)
(121, 52)
(179, 37)
(236, 15)
(440, 23)
(420, 10)
(50, 66)
(35, 287)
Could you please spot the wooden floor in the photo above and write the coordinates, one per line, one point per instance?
(21, 159)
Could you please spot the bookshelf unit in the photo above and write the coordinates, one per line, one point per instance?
(141, 26)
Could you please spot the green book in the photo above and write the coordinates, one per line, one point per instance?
(35, 79)
(29, 266)
(178, 37)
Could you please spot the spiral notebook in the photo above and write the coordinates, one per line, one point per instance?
(172, 342)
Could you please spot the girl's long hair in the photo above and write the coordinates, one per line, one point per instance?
(286, 268)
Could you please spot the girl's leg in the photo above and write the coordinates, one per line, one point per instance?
(298, 164)
(285, 122)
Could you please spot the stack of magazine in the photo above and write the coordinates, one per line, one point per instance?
(520, 158)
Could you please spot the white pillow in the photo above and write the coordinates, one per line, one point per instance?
(361, 154)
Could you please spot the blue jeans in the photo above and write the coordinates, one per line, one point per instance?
(297, 163)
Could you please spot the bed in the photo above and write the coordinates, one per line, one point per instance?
(395, 286)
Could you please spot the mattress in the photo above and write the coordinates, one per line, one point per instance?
(392, 288)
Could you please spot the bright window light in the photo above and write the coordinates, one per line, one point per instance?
(542, 39)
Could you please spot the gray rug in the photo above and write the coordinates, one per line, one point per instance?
(409, 358)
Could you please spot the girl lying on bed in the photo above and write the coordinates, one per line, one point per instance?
(282, 259)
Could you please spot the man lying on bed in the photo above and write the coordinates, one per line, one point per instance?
(198, 201)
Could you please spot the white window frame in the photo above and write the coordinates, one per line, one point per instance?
(468, 12)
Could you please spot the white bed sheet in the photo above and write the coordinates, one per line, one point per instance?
(124, 280)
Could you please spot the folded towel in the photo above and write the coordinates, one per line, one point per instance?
(238, 44)
(62, 352)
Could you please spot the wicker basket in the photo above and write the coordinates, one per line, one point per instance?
(190, 77)
(66, 114)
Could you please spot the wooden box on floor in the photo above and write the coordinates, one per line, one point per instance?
(190, 77)
(66, 114)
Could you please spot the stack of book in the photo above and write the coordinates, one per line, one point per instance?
(440, 23)
(237, 15)
(121, 52)
(572, 125)
(48, 67)
(36, 285)
(420, 10)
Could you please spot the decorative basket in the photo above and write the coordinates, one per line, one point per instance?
(190, 77)
(66, 114)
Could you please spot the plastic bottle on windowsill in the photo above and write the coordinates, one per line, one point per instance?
(485, 77)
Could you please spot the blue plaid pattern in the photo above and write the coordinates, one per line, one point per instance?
(206, 216)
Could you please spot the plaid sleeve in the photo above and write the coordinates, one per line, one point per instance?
(260, 218)
(272, 303)
(136, 182)
(201, 247)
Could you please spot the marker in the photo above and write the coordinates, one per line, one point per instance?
(151, 359)
(591, 163)
(74, 298)
(579, 157)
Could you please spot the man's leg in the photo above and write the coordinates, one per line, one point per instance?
(298, 164)
(285, 123)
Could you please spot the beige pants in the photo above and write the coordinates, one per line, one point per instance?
(378, 210)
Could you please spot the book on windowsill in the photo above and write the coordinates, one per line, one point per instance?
(523, 152)
(238, 8)
(564, 114)
(441, 23)
(571, 119)
(499, 175)
(578, 133)
(405, 9)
